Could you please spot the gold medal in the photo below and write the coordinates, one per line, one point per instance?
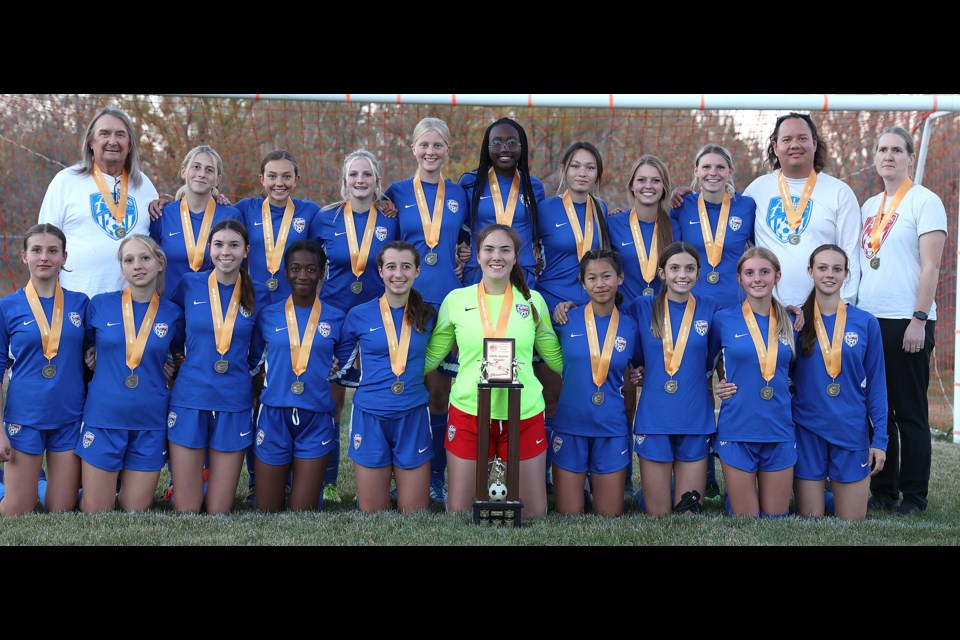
(670, 386)
(136, 340)
(582, 236)
(884, 216)
(50, 332)
(713, 277)
(221, 366)
(131, 381)
(397, 387)
(297, 387)
(274, 250)
(597, 398)
(399, 348)
(300, 350)
(49, 371)
(875, 263)
(833, 389)
(793, 214)
(223, 325)
(120, 231)
(430, 221)
(673, 351)
(600, 356)
(430, 258)
(272, 284)
(831, 350)
(766, 392)
(356, 287)
(766, 354)
(795, 239)
(648, 291)
(713, 245)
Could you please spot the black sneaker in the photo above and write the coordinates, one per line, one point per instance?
(908, 509)
(881, 503)
(689, 503)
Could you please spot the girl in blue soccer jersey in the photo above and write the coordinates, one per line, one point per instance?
(432, 211)
(389, 423)
(135, 333)
(840, 404)
(675, 418)
(295, 423)
(211, 405)
(183, 230)
(41, 341)
(502, 190)
(755, 437)
(591, 432)
(352, 231)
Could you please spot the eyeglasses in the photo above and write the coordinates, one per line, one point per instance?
(512, 144)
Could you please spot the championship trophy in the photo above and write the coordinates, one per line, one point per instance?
(497, 503)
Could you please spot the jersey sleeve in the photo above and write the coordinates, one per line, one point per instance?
(876, 385)
(441, 340)
(51, 209)
(546, 342)
(848, 237)
(258, 346)
(4, 344)
(347, 350)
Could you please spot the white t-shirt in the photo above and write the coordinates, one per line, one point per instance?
(832, 216)
(890, 291)
(74, 204)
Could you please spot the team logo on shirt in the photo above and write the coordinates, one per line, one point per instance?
(784, 341)
(88, 439)
(451, 431)
(557, 443)
(104, 219)
(380, 233)
(75, 319)
(851, 338)
(13, 429)
(245, 312)
(700, 326)
(735, 223)
(171, 419)
(260, 437)
(523, 310)
(161, 329)
(865, 243)
(357, 439)
(453, 205)
(324, 329)
(640, 438)
(777, 219)
(299, 224)
(620, 344)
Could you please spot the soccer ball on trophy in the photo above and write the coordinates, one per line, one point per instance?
(498, 491)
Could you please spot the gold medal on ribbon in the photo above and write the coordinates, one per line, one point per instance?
(766, 354)
(197, 248)
(713, 244)
(831, 351)
(359, 251)
(504, 213)
(884, 217)
(583, 237)
(117, 209)
(648, 261)
(600, 358)
(488, 329)
(223, 326)
(431, 223)
(136, 340)
(673, 355)
(273, 250)
(398, 348)
(49, 332)
(300, 350)
(795, 214)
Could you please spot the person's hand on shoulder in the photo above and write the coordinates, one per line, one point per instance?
(560, 312)
(676, 196)
(387, 207)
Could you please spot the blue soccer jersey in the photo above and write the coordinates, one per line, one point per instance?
(560, 279)
(844, 420)
(111, 403)
(621, 241)
(486, 215)
(251, 212)
(33, 399)
(689, 409)
(271, 339)
(577, 413)
(199, 385)
(329, 229)
(168, 233)
(439, 279)
(364, 337)
(725, 292)
(746, 417)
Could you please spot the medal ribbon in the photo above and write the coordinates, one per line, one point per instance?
(714, 245)
(300, 352)
(359, 254)
(137, 342)
(795, 215)
(196, 248)
(117, 209)
(767, 356)
(583, 237)
(49, 333)
(275, 251)
(398, 350)
(488, 329)
(431, 224)
(673, 356)
(884, 216)
(648, 262)
(830, 351)
(223, 326)
(600, 359)
(504, 214)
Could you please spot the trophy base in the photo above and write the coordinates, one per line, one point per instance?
(497, 514)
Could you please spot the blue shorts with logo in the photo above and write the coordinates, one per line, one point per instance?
(404, 440)
(757, 456)
(286, 433)
(203, 429)
(579, 454)
(817, 459)
(672, 447)
(118, 449)
(34, 442)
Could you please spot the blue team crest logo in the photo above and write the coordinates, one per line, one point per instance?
(735, 222)
(453, 205)
(523, 310)
(88, 439)
(324, 329)
(171, 419)
(161, 329)
(75, 319)
(865, 243)
(640, 438)
(700, 326)
(557, 444)
(104, 219)
(299, 224)
(777, 219)
(357, 439)
(380, 233)
(451, 431)
(13, 429)
(260, 437)
(245, 312)
(784, 341)
(620, 344)
(851, 338)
